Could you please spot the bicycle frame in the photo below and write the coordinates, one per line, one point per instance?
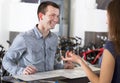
(93, 58)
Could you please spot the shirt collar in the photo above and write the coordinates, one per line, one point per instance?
(38, 34)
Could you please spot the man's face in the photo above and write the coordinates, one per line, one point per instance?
(51, 17)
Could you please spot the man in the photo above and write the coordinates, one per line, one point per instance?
(34, 51)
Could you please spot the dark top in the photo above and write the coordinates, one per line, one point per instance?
(116, 76)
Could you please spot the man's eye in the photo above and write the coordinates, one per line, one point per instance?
(52, 15)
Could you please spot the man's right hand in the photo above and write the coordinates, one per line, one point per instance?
(29, 70)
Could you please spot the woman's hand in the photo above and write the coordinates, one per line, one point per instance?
(71, 57)
(69, 65)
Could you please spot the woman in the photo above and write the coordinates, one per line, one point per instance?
(110, 67)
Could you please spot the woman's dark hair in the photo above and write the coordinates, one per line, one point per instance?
(42, 7)
(114, 23)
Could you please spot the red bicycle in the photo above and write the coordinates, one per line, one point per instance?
(92, 56)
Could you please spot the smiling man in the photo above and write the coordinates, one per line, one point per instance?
(34, 51)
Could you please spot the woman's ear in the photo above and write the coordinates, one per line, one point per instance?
(40, 15)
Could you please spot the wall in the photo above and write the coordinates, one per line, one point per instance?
(0, 21)
(23, 16)
(4, 21)
(15, 16)
(86, 18)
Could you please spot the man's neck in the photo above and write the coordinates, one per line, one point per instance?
(43, 30)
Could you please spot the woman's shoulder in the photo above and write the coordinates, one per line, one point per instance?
(109, 44)
(110, 47)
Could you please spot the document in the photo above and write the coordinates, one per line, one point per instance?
(66, 73)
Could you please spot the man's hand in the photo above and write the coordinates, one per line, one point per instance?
(69, 65)
(29, 70)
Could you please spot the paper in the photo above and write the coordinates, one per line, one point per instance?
(66, 73)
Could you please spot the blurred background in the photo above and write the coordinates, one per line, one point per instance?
(76, 17)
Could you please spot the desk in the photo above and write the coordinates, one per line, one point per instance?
(62, 74)
(65, 73)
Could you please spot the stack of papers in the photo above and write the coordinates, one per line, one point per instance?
(66, 73)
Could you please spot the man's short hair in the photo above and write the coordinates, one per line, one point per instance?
(42, 7)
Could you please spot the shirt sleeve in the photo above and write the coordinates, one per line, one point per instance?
(13, 55)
